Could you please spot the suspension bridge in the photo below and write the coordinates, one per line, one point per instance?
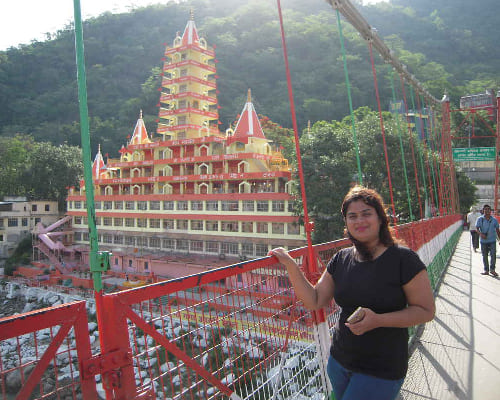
(238, 331)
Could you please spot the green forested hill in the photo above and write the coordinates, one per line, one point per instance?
(448, 44)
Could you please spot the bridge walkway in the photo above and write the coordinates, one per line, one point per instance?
(457, 356)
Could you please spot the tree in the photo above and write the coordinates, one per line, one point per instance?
(52, 169)
(14, 156)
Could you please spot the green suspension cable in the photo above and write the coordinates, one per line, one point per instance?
(420, 150)
(99, 261)
(355, 138)
(433, 131)
(403, 160)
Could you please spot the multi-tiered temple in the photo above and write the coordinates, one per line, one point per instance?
(191, 188)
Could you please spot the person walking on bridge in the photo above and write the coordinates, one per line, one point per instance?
(487, 226)
(388, 286)
(471, 221)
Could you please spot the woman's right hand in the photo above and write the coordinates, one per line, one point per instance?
(280, 253)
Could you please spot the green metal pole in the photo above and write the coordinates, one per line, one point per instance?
(97, 260)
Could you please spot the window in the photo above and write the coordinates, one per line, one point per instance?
(129, 241)
(47, 207)
(98, 220)
(196, 245)
(229, 205)
(262, 227)
(212, 247)
(108, 205)
(118, 205)
(212, 205)
(212, 226)
(196, 205)
(247, 249)
(293, 228)
(107, 221)
(248, 205)
(37, 220)
(118, 222)
(182, 244)
(197, 225)
(12, 222)
(77, 205)
(247, 226)
(142, 223)
(182, 224)
(34, 207)
(85, 236)
(263, 206)
(146, 265)
(154, 205)
(155, 223)
(141, 241)
(97, 205)
(107, 238)
(168, 205)
(78, 220)
(142, 205)
(118, 239)
(278, 205)
(278, 228)
(229, 248)
(24, 222)
(168, 224)
(229, 226)
(129, 205)
(78, 236)
(154, 242)
(182, 205)
(184, 72)
(261, 250)
(168, 244)
(129, 222)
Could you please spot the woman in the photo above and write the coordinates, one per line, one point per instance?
(369, 358)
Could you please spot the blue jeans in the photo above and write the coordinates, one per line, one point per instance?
(492, 249)
(349, 385)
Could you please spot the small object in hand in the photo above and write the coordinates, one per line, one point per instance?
(356, 316)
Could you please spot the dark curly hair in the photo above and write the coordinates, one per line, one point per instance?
(373, 199)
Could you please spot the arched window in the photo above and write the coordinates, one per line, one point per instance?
(203, 169)
(135, 173)
(243, 166)
(244, 187)
(167, 189)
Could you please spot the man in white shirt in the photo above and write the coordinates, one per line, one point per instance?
(471, 221)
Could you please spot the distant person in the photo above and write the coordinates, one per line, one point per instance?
(387, 282)
(487, 226)
(471, 222)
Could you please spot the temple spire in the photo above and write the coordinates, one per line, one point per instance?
(249, 96)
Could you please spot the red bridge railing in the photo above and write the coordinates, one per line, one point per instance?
(233, 332)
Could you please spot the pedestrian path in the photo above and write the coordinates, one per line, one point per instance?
(457, 356)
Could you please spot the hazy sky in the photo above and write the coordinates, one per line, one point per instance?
(24, 20)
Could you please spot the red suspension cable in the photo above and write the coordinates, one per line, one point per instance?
(308, 225)
(382, 130)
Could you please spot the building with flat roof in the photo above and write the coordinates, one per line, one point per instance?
(18, 218)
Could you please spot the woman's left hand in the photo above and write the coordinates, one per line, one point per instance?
(368, 323)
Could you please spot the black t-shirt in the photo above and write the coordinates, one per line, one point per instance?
(377, 285)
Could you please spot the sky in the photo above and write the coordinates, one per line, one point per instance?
(21, 21)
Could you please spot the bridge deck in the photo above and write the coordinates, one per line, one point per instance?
(458, 354)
